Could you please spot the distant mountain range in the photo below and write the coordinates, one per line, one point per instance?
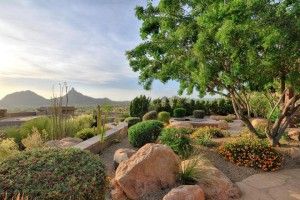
(29, 99)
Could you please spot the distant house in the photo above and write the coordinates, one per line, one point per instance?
(65, 110)
(3, 113)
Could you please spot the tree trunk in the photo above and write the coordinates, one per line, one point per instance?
(240, 114)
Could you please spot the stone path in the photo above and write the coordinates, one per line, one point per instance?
(281, 185)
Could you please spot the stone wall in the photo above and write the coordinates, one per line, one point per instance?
(94, 144)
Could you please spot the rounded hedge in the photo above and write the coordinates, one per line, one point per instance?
(132, 121)
(144, 132)
(164, 116)
(53, 174)
(179, 112)
(199, 114)
(152, 115)
(86, 133)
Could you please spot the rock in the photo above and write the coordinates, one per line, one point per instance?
(151, 168)
(229, 117)
(222, 124)
(294, 133)
(215, 184)
(116, 192)
(63, 143)
(122, 155)
(185, 192)
(180, 124)
(260, 123)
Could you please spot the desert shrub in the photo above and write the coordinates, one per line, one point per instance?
(151, 115)
(13, 133)
(179, 112)
(177, 139)
(259, 105)
(139, 106)
(250, 151)
(7, 147)
(53, 174)
(189, 173)
(86, 133)
(213, 132)
(40, 123)
(144, 132)
(199, 114)
(164, 117)
(132, 121)
(205, 140)
(33, 140)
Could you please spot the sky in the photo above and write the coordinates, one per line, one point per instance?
(81, 42)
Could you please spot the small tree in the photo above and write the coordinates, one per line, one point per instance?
(223, 47)
(139, 106)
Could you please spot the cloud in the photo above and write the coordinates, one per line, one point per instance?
(83, 42)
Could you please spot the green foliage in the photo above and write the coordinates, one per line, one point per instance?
(205, 139)
(178, 140)
(151, 115)
(164, 117)
(156, 104)
(13, 133)
(132, 121)
(213, 132)
(228, 48)
(144, 132)
(40, 123)
(199, 114)
(250, 151)
(33, 140)
(139, 106)
(7, 148)
(86, 133)
(53, 174)
(179, 112)
(260, 104)
(190, 173)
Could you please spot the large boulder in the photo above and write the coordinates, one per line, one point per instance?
(185, 192)
(215, 184)
(294, 133)
(122, 155)
(151, 168)
(260, 123)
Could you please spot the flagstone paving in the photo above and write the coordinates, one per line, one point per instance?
(281, 185)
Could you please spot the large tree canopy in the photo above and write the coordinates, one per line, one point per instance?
(227, 47)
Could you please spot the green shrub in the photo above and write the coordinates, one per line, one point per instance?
(132, 121)
(7, 148)
(213, 132)
(40, 123)
(189, 173)
(14, 133)
(164, 117)
(199, 114)
(144, 132)
(152, 115)
(177, 139)
(179, 112)
(205, 140)
(139, 106)
(86, 133)
(250, 151)
(53, 174)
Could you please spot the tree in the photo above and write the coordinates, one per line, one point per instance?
(223, 47)
(139, 106)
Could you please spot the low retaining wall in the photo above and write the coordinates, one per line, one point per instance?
(94, 144)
